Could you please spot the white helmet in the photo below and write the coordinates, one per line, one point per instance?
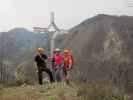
(57, 50)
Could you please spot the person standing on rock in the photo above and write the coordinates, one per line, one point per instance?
(40, 60)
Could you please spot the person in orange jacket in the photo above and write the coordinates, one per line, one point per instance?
(68, 63)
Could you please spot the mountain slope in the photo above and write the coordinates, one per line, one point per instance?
(17, 48)
(102, 47)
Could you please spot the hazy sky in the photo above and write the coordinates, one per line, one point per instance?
(29, 13)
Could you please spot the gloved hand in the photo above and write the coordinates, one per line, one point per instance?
(37, 70)
(69, 67)
(49, 58)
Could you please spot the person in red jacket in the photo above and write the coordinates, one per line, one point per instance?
(68, 63)
(57, 61)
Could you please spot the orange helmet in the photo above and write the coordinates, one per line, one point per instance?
(66, 51)
(40, 50)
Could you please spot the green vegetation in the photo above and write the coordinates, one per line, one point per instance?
(60, 91)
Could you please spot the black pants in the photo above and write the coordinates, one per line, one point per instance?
(40, 74)
(65, 71)
(66, 75)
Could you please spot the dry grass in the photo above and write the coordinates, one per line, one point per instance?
(21, 93)
(49, 92)
(61, 91)
(96, 92)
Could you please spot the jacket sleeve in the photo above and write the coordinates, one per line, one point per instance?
(35, 59)
(45, 57)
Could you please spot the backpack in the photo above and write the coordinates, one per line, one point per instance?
(68, 62)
